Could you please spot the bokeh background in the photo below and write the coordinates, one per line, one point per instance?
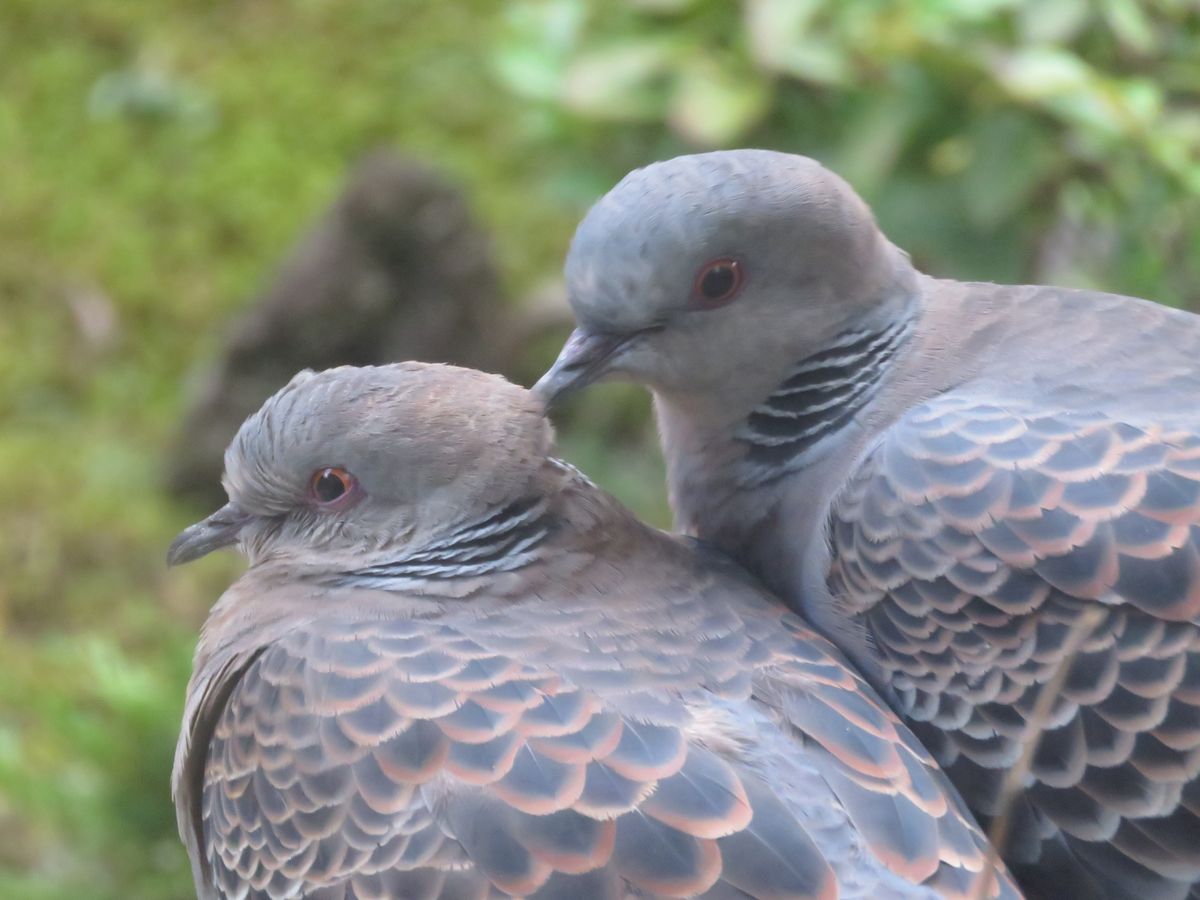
(159, 160)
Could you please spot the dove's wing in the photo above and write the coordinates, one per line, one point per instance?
(973, 537)
(400, 759)
(902, 806)
(700, 750)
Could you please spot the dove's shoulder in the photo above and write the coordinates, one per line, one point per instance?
(406, 752)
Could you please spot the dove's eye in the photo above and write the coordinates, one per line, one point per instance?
(717, 282)
(330, 485)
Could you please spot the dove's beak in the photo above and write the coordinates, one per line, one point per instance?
(221, 529)
(587, 356)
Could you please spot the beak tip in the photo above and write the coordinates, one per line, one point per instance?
(586, 357)
(547, 391)
(184, 548)
(221, 529)
(177, 553)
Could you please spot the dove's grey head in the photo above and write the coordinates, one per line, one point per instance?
(361, 463)
(693, 269)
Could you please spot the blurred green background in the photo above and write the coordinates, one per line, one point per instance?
(157, 157)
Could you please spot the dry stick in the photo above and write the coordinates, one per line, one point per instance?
(1010, 788)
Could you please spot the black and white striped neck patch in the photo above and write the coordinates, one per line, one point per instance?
(819, 398)
(501, 542)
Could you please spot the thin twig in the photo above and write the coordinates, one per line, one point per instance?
(1014, 778)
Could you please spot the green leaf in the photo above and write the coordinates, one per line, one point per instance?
(1036, 73)
(774, 26)
(1142, 99)
(817, 61)
(1175, 143)
(528, 71)
(1052, 21)
(783, 41)
(1130, 26)
(626, 80)
(532, 51)
(1063, 84)
(712, 106)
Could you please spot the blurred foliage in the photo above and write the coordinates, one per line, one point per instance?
(160, 155)
(1054, 140)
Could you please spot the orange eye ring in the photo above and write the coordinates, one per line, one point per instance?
(331, 486)
(717, 282)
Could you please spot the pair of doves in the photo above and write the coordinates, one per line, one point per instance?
(456, 668)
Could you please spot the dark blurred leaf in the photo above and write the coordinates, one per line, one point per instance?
(150, 94)
(875, 139)
(1010, 155)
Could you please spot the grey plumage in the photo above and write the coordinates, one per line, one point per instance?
(942, 476)
(455, 667)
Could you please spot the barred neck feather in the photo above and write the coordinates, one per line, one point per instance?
(800, 421)
(501, 542)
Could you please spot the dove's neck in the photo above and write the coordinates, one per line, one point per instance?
(759, 483)
(500, 540)
(756, 481)
(818, 398)
(477, 552)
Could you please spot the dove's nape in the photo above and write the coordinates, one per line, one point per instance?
(945, 478)
(455, 667)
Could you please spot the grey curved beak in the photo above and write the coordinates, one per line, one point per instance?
(585, 357)
(221, 529)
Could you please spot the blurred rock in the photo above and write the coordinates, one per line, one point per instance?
(396, 269)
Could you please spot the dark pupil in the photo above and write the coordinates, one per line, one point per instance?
(717, 282)
(329, 487)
